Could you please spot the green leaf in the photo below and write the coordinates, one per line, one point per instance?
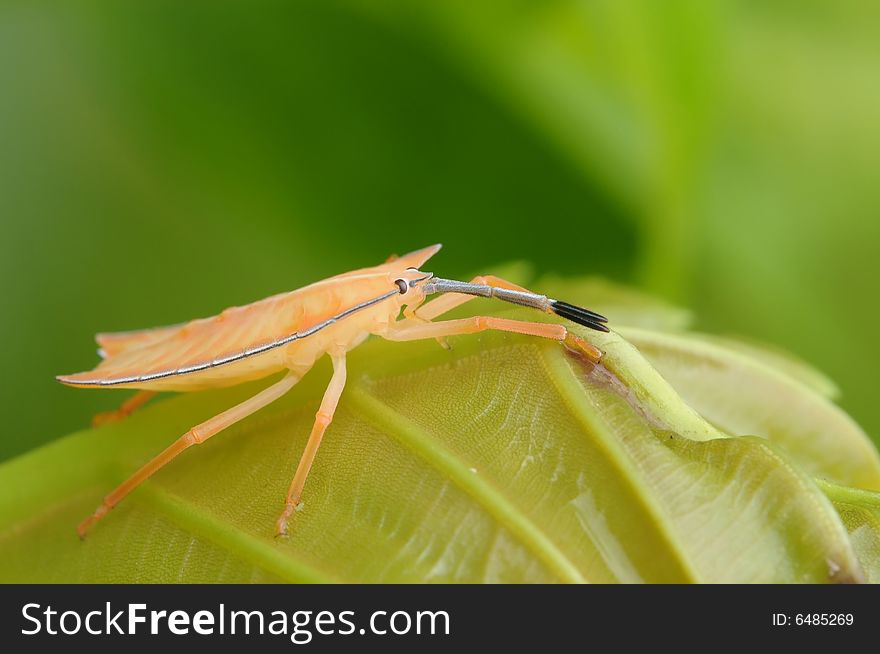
(506, 459)
(745, 391)
(860, 512)
(779, 359)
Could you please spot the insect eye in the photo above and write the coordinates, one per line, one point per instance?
(402, 285)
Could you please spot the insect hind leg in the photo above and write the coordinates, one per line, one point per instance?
(195, 436)
(128, 407)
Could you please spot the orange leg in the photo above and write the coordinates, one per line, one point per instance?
(405, 331)
(128, 407)
(195, 436)
(448, 302)
(322, 420)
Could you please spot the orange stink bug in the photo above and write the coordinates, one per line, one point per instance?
(290, 332)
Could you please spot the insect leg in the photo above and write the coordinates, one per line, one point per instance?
(128, 407)
(195, 436)
(402, 331)
(449, 301)
(322, 420)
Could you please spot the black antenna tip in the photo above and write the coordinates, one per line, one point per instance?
(591, 315)
(580, 315)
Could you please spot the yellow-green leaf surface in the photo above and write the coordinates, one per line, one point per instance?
(507, 459)
(860, 512)
(746, 391)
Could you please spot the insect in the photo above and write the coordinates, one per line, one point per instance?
(289, 332)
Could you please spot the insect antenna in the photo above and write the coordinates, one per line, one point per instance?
(579, 315)
(565, 310)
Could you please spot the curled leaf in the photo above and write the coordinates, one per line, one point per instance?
(507, 459)
(745, 392)
(860, 512)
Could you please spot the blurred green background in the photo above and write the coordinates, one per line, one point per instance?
(162, 160)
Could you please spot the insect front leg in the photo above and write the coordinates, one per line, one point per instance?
(322, 420)
(406, 331)
(195, 436)
(128, 407)
(446, 303)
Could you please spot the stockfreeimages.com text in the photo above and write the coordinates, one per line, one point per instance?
(299, 626)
